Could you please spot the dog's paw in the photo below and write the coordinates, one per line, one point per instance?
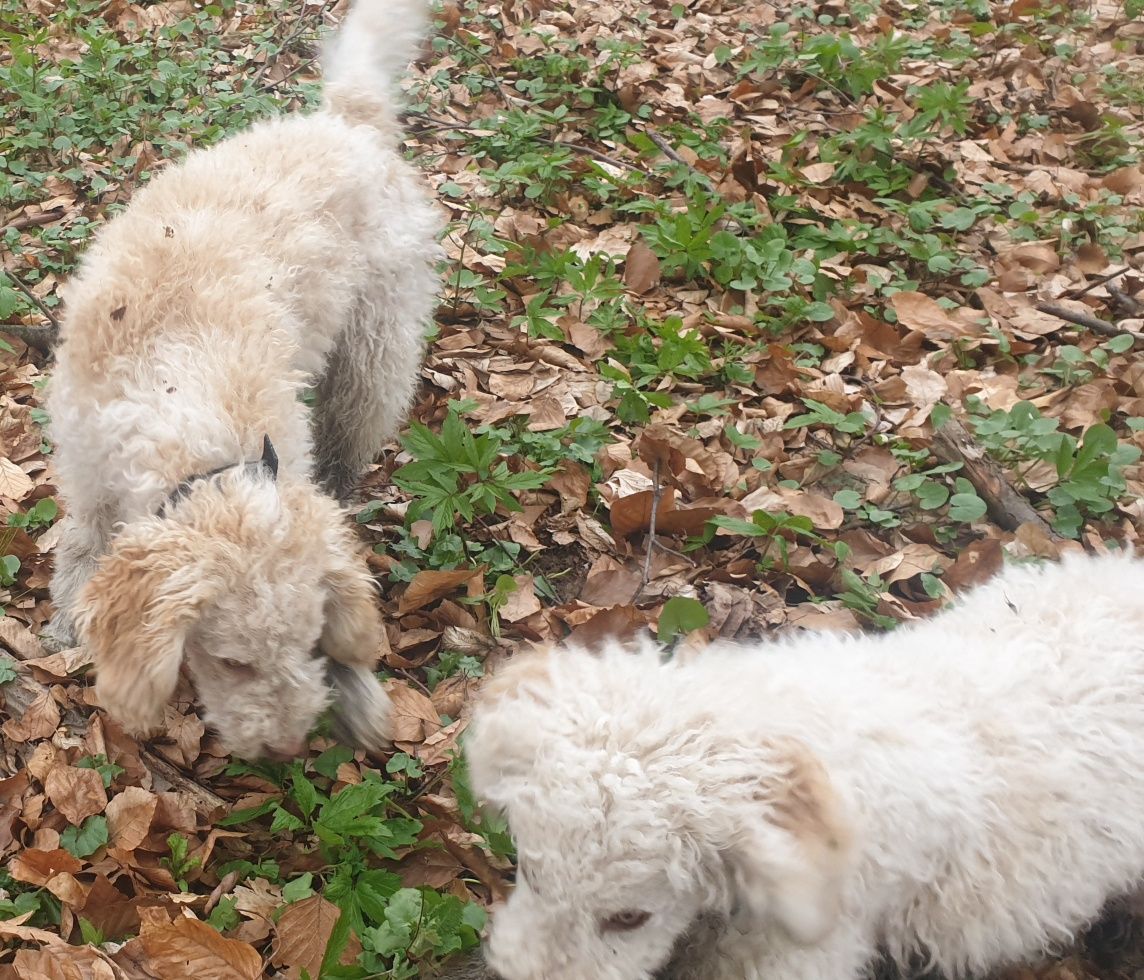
(58, 635)
(361, 708)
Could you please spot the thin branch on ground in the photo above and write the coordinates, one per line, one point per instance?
(205, 800)
(1094, 323)
(656, 494)
(34, 299)
(1096, 283)
(33, 221)
(953, 443)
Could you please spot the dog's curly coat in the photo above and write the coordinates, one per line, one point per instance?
(300, 252)
(969, 789)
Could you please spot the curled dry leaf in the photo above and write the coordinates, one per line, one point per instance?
(187, 947)
(919, 312)
(414, 718)
(429, 586)
(36, 867)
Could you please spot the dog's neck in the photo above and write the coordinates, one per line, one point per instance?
(266, 463)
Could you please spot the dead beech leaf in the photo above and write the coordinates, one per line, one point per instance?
(14, 482)
(76, 793)
(918, 312)
(1038, 257)
(15, 636)
(818, 173)
(129, 817)
(38, 867)
(641, 268)
(258, 898)
(190, 948)
(572, 482)
(522, 602)
(429, 586)
(976, 563)
(633, 513)
(67, 888)
(413, 716)
(688, 521)
(303, 933)
(40, 721)
(65, 962)
(823, 512)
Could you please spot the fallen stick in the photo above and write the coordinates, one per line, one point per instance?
(1084, 320)
(953, 443)
(205, 800)
(33, 221)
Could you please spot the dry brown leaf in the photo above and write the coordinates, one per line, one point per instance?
(429, 586)
(824, 513)
(129, 817)
(38, 867)
(15, 636)
(303, 933)
(919, 312)
(641, 268)
(522, 602)
(190, 948)
(40, 720)
(633, 513)
(14, 482)
(413, 718)
(76, 793)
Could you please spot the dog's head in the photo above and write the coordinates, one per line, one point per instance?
(636, 817)
(259, 589)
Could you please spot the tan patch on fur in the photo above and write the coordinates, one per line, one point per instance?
(531, 668)
(808, 806)
(133, 616)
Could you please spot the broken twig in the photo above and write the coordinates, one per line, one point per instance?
(953, 443)
(1094, 323)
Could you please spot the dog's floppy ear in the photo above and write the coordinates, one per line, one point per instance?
(351, 633)
(791, 847)
(134, 615)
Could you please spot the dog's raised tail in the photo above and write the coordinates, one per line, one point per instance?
(364, 61)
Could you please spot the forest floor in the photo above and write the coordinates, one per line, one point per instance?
(845, 297)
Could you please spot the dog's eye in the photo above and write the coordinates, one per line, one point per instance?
(624, 921)
(238, 667)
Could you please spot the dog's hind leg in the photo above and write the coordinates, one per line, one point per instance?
(364, 394)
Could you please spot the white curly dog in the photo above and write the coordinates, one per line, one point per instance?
(968, 790)
(300, 252)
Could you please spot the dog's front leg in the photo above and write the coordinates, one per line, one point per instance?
(843, 955)
(83, 541)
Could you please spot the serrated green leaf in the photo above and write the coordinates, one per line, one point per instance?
(284, 820)
(305, 793)
(327, 763)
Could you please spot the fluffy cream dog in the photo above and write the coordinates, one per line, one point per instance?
(968, 790)
(300, 252)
